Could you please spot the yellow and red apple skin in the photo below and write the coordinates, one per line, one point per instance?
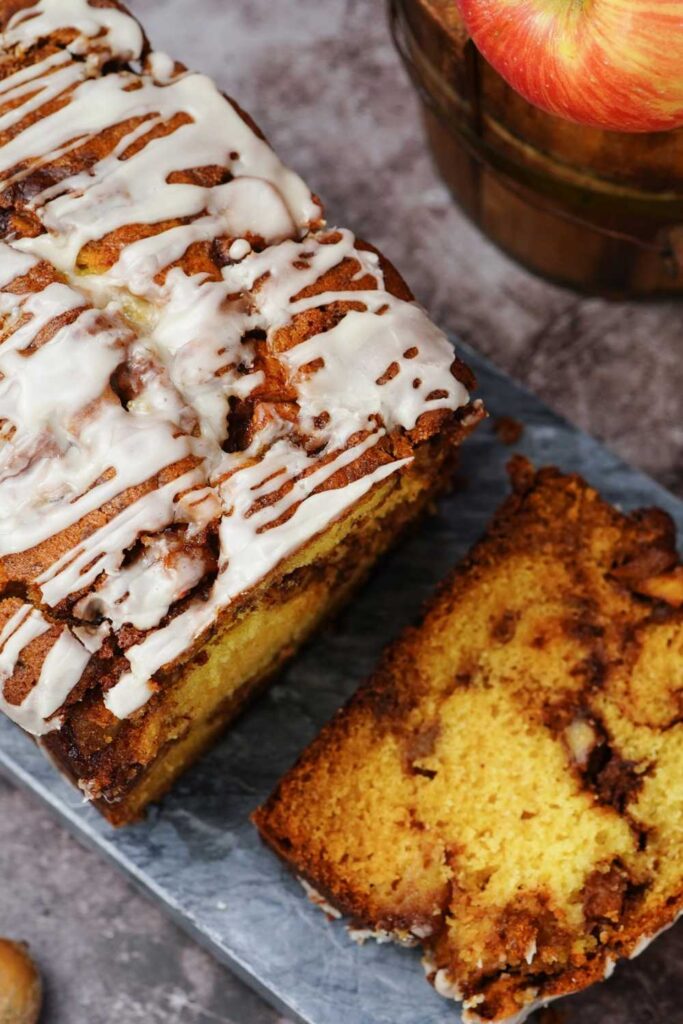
(611, 64)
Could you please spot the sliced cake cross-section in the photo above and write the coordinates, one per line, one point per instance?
(507, 788)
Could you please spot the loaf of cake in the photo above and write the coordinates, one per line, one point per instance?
(216, 412)
(507, 789)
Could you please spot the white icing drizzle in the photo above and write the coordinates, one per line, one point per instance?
(194, 344)
(61, 669)
(24, 626)
(356, 351)
(92, 637)
(142, 593)
(102, 551)
(239, 249)
(264, 550)
(106, 26)
(197, 336)
(112, 453)
(264, 198)
(319, 900)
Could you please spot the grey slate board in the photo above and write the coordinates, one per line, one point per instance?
(197, 854)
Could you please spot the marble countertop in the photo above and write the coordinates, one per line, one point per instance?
(323, 81)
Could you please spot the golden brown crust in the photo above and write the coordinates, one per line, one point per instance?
(502, 787)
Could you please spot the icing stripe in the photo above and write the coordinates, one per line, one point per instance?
(61, 670)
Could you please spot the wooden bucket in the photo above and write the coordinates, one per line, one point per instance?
(599, 211)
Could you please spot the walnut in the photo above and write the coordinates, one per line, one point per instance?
(20, 987)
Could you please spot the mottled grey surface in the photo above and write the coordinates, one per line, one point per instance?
(321, 78)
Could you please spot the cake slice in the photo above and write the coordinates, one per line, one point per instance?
(507, 788)
(216, 412)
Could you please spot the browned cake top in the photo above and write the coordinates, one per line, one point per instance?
(508, 787)
(196, 376)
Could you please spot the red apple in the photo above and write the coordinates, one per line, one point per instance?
(614, 64)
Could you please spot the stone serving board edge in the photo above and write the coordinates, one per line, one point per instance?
(197, 854)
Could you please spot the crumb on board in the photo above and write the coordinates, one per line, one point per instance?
(508, 430)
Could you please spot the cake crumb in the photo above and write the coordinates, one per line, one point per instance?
(508, 430)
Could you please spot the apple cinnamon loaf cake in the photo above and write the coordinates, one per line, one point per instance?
(507, 789)
(215, 412)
